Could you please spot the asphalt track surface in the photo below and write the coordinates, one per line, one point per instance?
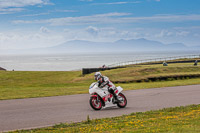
(48, 111)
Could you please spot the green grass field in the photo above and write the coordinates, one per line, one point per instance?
(170, 120)
(27, 84)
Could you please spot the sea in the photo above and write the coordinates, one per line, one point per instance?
(73, 62)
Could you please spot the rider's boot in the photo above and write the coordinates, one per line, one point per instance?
(116, 100)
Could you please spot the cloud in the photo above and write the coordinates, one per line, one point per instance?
(12, 6)
(31, 15)
(153, 0)
(164, 33)
(172, 33)
(92, 30)
(65, 11)
(115, 14)
(23, 40)
(188, 28)
(46, 37)
(110, 18)
(47, 13)
(117, 3)
(82, 20)
(22, 3)
(92, 33)
(86, 0)
(10, 10)
(197, 35)
(182, 33)
(44, 30)
(165, 18)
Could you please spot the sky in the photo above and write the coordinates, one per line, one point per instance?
(45, 23)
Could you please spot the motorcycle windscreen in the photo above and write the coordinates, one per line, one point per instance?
(119, 89)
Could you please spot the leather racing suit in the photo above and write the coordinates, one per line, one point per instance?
(106, 82)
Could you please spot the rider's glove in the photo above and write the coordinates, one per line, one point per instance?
(103, 84)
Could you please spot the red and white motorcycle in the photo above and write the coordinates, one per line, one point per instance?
(100, 97)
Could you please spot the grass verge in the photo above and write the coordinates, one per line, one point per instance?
(25, 84)
(178, 119)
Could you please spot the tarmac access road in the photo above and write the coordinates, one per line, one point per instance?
(41, 112)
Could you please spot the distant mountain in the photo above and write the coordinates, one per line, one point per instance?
(80, 46)
(120, 45)
(141, 45)
(177, 46)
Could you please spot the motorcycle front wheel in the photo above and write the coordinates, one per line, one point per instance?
(123, 102)
(95, 103)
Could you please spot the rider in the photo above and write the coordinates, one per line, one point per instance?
(103, 81)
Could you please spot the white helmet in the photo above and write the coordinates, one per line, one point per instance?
(97, 75)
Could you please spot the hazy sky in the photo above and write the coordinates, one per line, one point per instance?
(42, 23)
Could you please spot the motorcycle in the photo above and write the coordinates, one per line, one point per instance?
(100, 97)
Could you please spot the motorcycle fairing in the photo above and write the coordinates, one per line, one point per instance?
(103, 92)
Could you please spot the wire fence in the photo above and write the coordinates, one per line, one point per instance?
(135, 62)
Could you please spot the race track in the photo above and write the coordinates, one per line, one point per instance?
(41, 112)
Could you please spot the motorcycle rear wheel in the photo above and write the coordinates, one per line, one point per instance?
(95, 103)
(124, 102)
